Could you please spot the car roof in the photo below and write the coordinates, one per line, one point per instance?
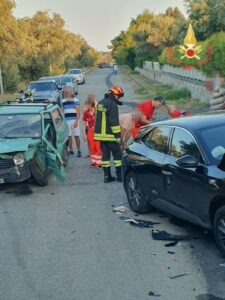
(25, 108)
(50, 78)
(41, 81)
(197, 122)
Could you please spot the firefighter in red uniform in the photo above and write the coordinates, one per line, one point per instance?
(88, 124)
(108, 132)
(177, 113)
(147, 109)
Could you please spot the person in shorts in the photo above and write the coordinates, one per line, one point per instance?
(71, 108)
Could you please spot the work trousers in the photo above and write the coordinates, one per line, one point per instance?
(107, 149)
(95, 149)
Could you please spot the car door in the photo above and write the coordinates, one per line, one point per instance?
(53, 156)
(185, 187)
(61, 129)
(148, 164)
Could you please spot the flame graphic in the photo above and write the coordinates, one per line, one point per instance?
(190, 38)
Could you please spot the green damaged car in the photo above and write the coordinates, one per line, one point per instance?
(33, 142)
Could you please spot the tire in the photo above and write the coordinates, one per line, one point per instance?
(65, 156)
(40, 176)
(137, 200)
(219, 228)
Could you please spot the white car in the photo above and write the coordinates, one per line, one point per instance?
(78, 75)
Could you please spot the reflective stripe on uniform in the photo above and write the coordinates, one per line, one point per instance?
(106, 164)
(116, 129)
(104, 137)
(117, 163)
(103, 129)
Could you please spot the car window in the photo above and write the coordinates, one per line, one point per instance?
(57, 118)
(20, 126)
(51, 133)
(183, 143)
(42, 86)
(66, 79)
(157, 139)
(75, 71)
(215, 142)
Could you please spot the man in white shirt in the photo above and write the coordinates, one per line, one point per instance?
(71, 109)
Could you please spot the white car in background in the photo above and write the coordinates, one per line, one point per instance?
(78, 75)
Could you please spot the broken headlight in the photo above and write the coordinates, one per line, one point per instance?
(18, 159)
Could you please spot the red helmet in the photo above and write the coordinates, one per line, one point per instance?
(117, 90)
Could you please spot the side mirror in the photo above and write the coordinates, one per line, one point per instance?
(188, 161)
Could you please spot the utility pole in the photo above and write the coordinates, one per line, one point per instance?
(1, 83)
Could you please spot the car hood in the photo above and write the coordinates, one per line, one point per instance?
(17, 145)
(44, 94)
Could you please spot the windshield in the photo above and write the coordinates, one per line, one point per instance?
(42, 86)
(66, 79)
(75, 71)
(20, 126)
(215, 141)
(57, 79)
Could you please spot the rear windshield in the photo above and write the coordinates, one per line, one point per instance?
(42, 86)
(75, 71)
(66, 79)
(57, 79)
(214, 138)
(20, 126)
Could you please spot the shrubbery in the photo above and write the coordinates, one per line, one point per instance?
(211, 58)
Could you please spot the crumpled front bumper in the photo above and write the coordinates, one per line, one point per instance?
(15, 174)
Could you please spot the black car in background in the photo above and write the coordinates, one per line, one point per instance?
(178, 166)
(45, 91)
(57, 79)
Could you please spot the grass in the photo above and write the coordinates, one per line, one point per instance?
(7, 97)
(148, 89)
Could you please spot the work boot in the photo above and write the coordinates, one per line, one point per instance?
(119, 174)
(108, 176)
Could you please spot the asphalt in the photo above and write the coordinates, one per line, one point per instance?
(64, 242)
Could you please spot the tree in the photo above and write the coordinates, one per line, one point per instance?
(207, 16)
(147, 35)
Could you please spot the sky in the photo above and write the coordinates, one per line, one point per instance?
(98, 21)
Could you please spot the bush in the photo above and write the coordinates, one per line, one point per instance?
(211, 57)
(11, 78)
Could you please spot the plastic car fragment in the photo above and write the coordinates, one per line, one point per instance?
(165, 236)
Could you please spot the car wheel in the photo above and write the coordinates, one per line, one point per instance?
(219, 228)
(65, 156)
(135, 196)
(40, 176)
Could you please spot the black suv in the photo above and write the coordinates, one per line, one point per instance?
(179, 166)
(45, 91)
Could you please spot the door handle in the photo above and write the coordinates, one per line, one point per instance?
(167, 173)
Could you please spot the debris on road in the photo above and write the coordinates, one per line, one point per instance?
(152, 294)
(165, 236)
(120, 209)
(141, 223)
(171, 252)
(172, 244)
(222, 265)
(179, 275)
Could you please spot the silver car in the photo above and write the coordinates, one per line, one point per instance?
(78, 75)
(67, 80)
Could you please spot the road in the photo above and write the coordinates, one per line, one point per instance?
(64, 242)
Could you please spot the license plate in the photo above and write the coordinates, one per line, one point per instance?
(2, 180)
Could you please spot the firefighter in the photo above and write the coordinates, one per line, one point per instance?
(177, 113)
(107, 131)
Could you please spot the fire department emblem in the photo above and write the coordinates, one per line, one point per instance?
(190, 49)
